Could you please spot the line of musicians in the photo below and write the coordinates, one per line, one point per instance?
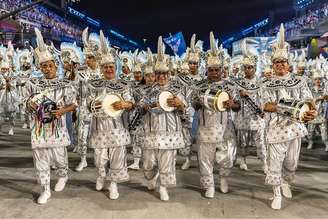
(162, 105)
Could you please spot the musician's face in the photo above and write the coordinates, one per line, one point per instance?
(150, 79)
(300, 70)
(49, 69)
(214, 73)
(67, 66)
(125, 70)
(249, 71)
(4, 70)
(26, 66)
(91, 61)
(193, 67)
(137, 76)
(280, 67)
(108, 71)
(162, 78)
(317, 82)
(235, 70)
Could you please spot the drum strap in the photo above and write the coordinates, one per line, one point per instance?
(80, 91)
(277, 100)
(176, 122)
(114, 123)
(221, 117)
(149, 122)
(64, 96)
(203, 112)
(166, 125)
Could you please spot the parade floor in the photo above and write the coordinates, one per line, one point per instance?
(248, 196)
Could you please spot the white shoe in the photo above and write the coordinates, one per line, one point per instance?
(100, 183)
(210, 192)
(60, 185)
(24, 126)
(276, 202)
(83, 164)
(163, 194)
(113, 191)
(135, 165)
(286, 191)
(224, 187)
(243, 165)
(186, 164)
(326, 149)
(309, 147)
(44, 196)
(11, 131)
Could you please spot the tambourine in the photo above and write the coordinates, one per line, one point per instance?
(162, 100)
(102, 106)
(295, 109)
(214, 99)
(42, 107)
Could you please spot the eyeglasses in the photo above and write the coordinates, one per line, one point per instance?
(248, 67)
(193, 63)
(280, 62)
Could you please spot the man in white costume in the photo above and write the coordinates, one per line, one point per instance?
(283, 133)
(49, 99)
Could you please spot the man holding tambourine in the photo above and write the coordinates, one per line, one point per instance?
(48, 99)
(216, 135)
(281, 94)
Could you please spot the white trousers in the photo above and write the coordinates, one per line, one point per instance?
(282, 161)
(44, 157)
(116, 157)
(222, 153)
(160, 161)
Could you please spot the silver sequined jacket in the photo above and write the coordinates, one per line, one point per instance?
(282, 128)
(106, 131)
(63, 93)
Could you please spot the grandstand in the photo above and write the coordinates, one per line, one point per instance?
(312, 23)
(57, 24)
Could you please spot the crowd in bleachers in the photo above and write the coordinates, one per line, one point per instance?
(309, 20)
(48, 21)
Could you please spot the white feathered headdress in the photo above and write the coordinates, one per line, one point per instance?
(91, 43)
(248, 57)
(108, 54)
(137, 61)
(213, 54)
(301, 60)
(194, 52)
(149, 66)
(281, 47)
(23, 57)
(162, 60)
(43, 52)
(70, 52)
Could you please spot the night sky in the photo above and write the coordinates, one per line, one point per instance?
(147, 19)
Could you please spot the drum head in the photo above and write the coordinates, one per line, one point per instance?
(107, 105)
(221, 98)
(305, 108)
(162, 99)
